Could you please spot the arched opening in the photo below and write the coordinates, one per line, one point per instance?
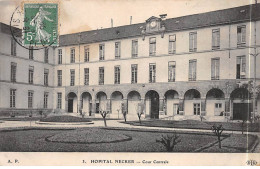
(241, 105)
(86, 103)
(116, 101)
(172, 102)
(192, 102)
(133, 98)
(72, 102)
(215, 102)
(152, 104)
(101, 101)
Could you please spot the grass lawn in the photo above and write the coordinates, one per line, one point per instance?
(194, 124)
(142, 141)
(236, 143)
(20, 118)
(64, 119)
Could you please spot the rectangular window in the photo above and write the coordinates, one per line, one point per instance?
(45, 100)
(101, 75)
(215, 68)
(12, 97)
(117, 74)
(59, 56)
(117, 50)
(30, 99)
(152, 72)
(218, 105)
(72, 77)
(72, 55)
(172, 44)
(241, 67)
(196, 108)
(152, 46)
(241, 35)
(46, 55)
(13, 47)
(192, 70)
(134, 48)
(31, 71)
(59, 73)
(215, 38)
(101, 52)
(134, 73)
(171, 71)
(31, 53)
(13, 71)
(59, 100)
(86, 54)
(86, 76)
(193, 42)
(46, 77)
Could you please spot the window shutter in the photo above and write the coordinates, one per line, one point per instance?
(218, 38)
(243, 34)
(190, 70)
(195, 70)
(212, 68)
(191, 43)
(217, 68)
(243, 58)
(195, 41)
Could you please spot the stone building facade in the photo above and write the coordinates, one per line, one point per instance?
(178, 68)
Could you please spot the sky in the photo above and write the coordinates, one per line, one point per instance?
(84, 15)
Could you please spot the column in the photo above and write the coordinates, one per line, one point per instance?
(161, 106)
(93, 107)
(181, 106)
(227, 106)
(203, 106)
(108, 105)
(125, 104)
(144, 107)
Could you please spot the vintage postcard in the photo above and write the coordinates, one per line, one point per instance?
(129, 83)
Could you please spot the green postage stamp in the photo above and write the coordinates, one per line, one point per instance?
(40, 24)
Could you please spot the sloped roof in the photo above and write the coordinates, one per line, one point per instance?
(4, 28)
(231, 15)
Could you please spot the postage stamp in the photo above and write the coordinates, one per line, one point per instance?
(40, 24)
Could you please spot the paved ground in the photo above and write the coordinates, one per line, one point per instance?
(110, 123)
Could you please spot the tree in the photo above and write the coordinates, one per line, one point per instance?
(140, 111)
(243, 125)
(105, 112)
(202, 117)
(217, 130)
(169, 141)
(244, 117)
(82, 113)
(104, 115)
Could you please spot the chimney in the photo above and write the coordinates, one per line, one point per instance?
(162, 16)
(111, 23)
(131, 20)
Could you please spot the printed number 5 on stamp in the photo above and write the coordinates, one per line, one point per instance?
(40, 24)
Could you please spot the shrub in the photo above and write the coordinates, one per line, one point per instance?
(169, 141)
(217, 130)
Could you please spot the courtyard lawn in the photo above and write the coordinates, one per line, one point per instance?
(64, 119)
(236, 143)
(195, 124)
(40, 140)
(20, 118)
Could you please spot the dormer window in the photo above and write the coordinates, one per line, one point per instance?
(153, 24)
